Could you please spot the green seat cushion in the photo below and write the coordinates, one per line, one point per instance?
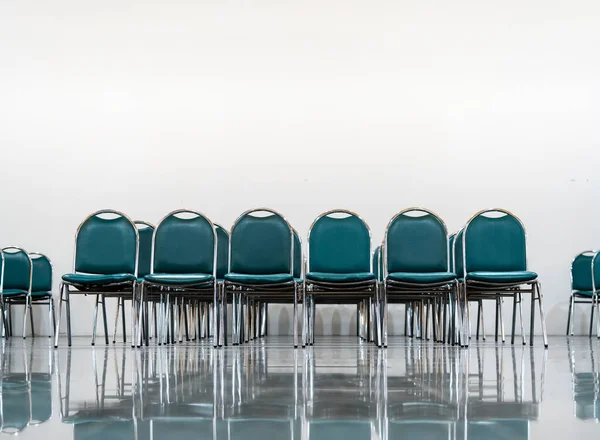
(298, 280)
(521, 276)
(340, 277)
(583, 293)
(422, 278)
(179, 279)
(97, 280)
(41, 293)
(245, 278)
(14, 292)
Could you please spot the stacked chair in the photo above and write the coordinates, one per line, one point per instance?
(416, 271)
(490, 257)
(585, 279)
(261, 271)
(25, 279)
(339, 266)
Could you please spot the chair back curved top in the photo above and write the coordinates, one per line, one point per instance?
(297, 255)
(377, 264)
(451, 264)
(42, 273)
(494, 243)
(145, 234)
(17, 273)
(184, 242)
(415, 243)
(106, 246)
(339, 244)
(585, 271)
(222, 251)
(261, 245)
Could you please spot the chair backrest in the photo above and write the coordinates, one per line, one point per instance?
(494, 240)
(451, 264)
(261, 244)
(17, 269)
(42, 273)
(145, 234)
(297, 255)
(106, 245)
(416, 240)
(222, 251)
(184, 241)
(339, 241)
(585, 271)
(377, 263)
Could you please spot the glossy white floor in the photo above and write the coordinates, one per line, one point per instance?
(338, 389)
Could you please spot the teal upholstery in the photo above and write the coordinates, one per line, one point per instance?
(340, 277)
(183, 429)
(297, 255)
(265, 429)
(495, 244)
(145, 232)
(41, 397)
(244, 278)
(589, 293)
(17, 272)
(98, 280)
(111, 429)
(522, 276)
(106, 246)
(339, 245)
(416, 244)
(41, 283)
(261, 245)
(14, 292)
(422, 278)
(184, 245)
(222, 251)
(179, 278)
(581, 272)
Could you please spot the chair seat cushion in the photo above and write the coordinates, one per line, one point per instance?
(97, 280)
(340, 277)
(179, 279)
(522, 276)
(245, 278)
(422, 278)
(41, 293)
(14, 292)
(583, 293)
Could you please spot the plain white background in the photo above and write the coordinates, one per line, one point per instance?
(303, 106)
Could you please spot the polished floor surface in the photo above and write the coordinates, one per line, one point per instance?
(338, 389)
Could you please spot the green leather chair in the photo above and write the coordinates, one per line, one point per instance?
(106, 264)
(585, 280)
(207, 309)
(15, 285)
(183, 270)
(41, 288)
(416, 268)
(145, 233)
(339, 262)
(495, 265)
(261, 268)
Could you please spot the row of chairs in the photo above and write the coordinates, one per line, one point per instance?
(585, 285)
(25, 279)
(189, 269)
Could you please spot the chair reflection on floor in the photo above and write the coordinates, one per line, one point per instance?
(333, 409)
(25, 394)
(586, 384)
(264, 395)
(490, 411)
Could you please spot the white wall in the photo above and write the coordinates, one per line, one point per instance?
(302, 106)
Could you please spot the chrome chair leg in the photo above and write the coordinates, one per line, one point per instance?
(521, 318)
(542, 317)
(295, 319)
